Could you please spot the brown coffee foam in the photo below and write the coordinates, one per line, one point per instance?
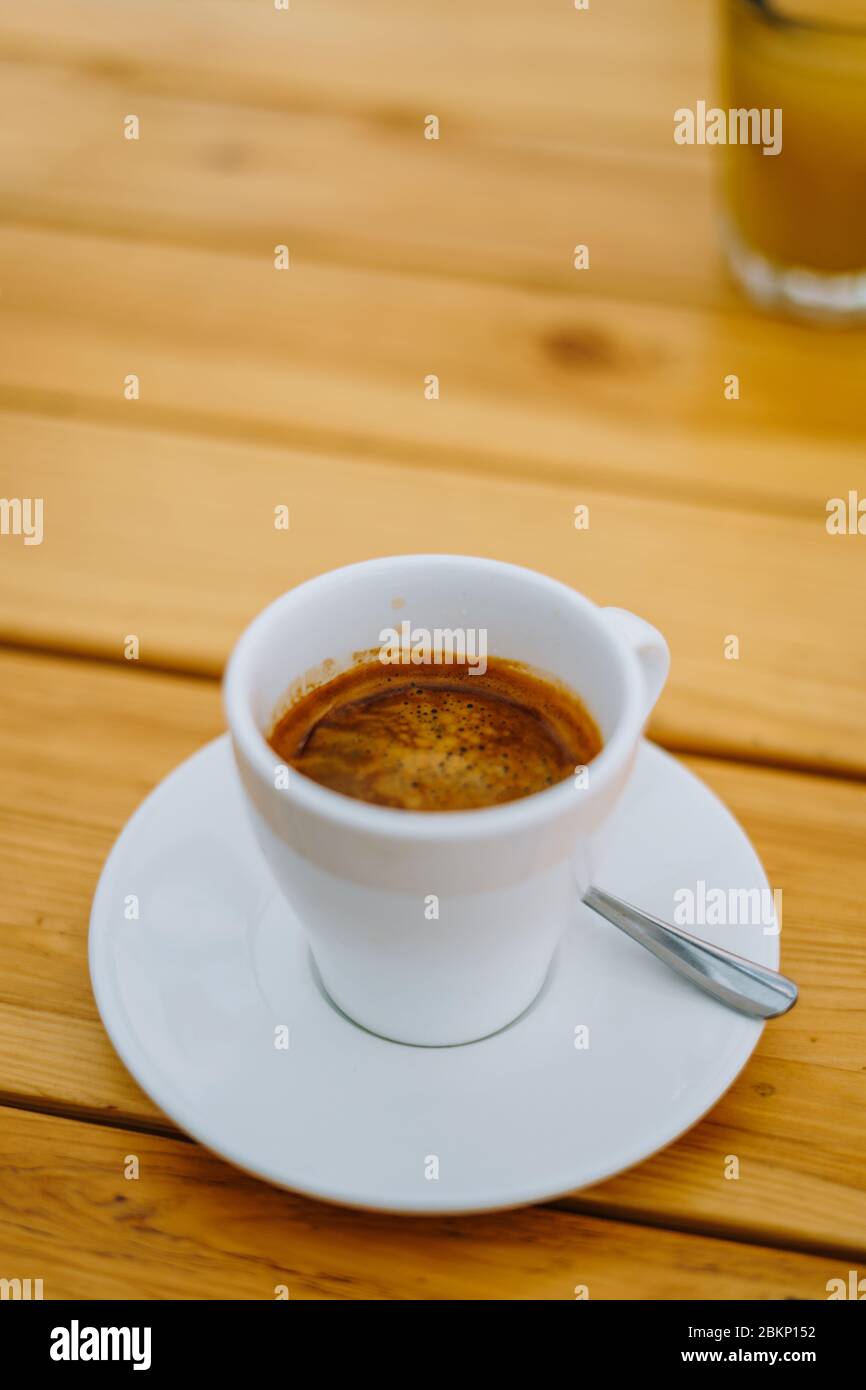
(436, 737)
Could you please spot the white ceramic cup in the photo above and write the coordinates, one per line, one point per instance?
(363, 879)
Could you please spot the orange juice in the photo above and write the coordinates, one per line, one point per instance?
(801, 213)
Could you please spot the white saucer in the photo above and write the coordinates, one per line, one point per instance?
(191, 994)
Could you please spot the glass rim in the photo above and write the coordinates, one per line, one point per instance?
(767, 11)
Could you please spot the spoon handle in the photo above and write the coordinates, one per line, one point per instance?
(741, 984)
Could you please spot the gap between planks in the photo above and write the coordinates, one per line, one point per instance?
(464, 463)
(686, 746)
(574, 1206)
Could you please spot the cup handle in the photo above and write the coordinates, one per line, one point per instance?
(649, 647)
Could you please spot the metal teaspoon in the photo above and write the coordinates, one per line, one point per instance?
(739, 983)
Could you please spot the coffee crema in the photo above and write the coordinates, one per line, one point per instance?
(435, 737)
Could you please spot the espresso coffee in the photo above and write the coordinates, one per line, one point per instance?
(436, 737)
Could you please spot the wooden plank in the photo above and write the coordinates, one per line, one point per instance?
(355, 189)
(531, 384)
(807, 831)
(55, 715)
(795, 1118)
(171, 537)
(509, 67)
(190, 1227)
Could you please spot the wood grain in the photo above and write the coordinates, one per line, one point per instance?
(543, 71)
(795, 1118)
(171, 537)
(362, 188)
(190, 1227)
(573, 387)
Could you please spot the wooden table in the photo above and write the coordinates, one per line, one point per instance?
(605, 387)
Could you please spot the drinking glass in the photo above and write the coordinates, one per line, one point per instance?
(795, 222)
